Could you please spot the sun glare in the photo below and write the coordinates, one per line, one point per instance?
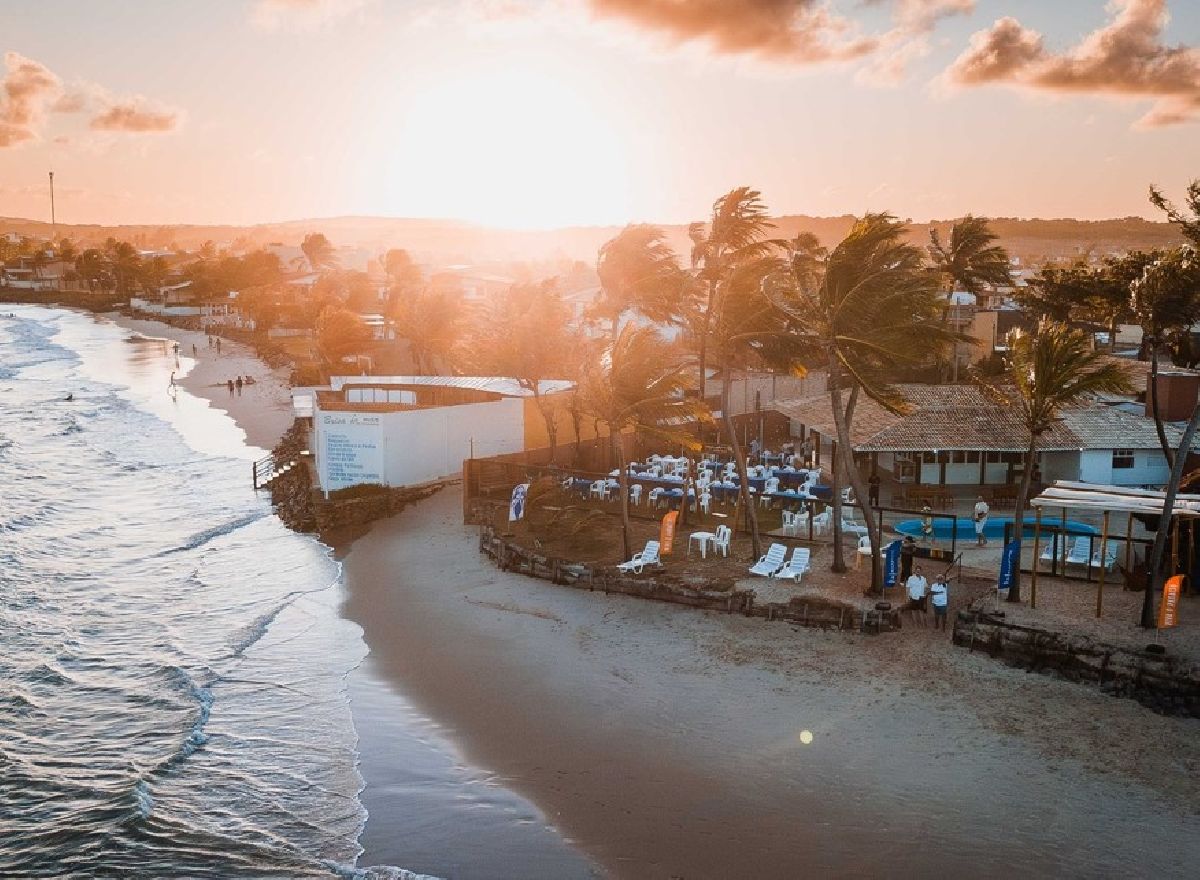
(513, 149)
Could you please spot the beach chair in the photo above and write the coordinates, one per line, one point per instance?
(1050, 552)
(721, 541)
(1109, 554)
(1080, 552)
(648, 556)
(771, 561)
(797, 565)
(849, 526)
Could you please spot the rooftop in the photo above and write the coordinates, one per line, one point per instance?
(495, 384)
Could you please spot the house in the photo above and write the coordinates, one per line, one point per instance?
(469, 284)
(957, 435)
(410, 430)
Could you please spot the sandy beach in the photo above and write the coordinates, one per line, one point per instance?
(667, 742)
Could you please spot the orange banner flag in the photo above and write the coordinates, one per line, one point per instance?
(666, 533)
(1168, 611)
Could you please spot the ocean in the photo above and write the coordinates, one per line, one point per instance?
(173, 667)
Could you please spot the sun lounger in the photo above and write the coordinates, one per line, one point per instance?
(640, 560)
(1080, 551)
(797, 565)
(1110, 552)
(770, 562)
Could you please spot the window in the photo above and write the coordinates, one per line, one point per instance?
(1122, 459)
(995, 457)
(928, 458)
(973, 457)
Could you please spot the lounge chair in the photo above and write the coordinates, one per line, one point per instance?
(1110, 552)
(849, 526)
(797, 565)
(1051, 551)
(771, 561)
(648, 556)
(1080, 552)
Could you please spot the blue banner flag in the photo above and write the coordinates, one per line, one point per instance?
(1010, 559)
(516, 505)
(891, 563)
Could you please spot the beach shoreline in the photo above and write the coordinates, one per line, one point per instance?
(665, 741)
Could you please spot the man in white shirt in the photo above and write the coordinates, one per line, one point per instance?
(981, 515)
(939, 597)
(916, 585)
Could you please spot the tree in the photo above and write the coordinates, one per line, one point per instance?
(639, 272)
(340, 332)
(523, 335)
(318, 251)
(637, 386)
(1051, 369)
(404, 276)
(1188, 219)
(1165, 300)
(971, 259)
(735, 243)
(432, 323)
(866, 311)
(124, 261)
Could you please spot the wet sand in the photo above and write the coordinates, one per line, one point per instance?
(667, 742)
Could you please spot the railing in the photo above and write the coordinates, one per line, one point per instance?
(265, 470)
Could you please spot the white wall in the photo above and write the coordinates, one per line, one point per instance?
(410, 447)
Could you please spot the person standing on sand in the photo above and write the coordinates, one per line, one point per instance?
(193, 349)
(229, 382)
(915, 587)
(981, 517)
(171, 384)
(218, 338)
(939, 595)
(239, 385)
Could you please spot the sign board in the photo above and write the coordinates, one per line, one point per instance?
(352, 448)
(891, 563)
(1010, 559)
(666, 533)
(1168, 611)
(516, 506)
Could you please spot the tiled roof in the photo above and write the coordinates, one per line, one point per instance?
(964, 417)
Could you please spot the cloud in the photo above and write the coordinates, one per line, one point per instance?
(794, 32)
(135, 115)
(908, 40)
(273, 15)
(1124, 58)
(27, 87)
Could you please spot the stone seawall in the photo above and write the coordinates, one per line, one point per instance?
(1166, 684)
(810, 611)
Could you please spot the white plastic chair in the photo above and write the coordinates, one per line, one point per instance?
(770, 562)
(635, 494)
(794, 522)
(655, 496)
(599, 488)
(640, 560)
(706, 502)
(721, 541)
(797, 565)
(822, 522)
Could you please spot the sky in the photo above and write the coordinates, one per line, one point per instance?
(545, 113)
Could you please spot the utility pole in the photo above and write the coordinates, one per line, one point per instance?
(53, 221)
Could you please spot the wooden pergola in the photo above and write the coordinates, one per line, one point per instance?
(1066, 494)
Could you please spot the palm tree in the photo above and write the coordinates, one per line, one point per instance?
(735, 245)
(866, 311)
(318, 251)
(1188, 219)
(432, 323)
(638, 270)
(637, 386)
(971, 259)
(1051, 369)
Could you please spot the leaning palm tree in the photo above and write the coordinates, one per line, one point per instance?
(970, 260)
(1051, 369)
(637, 386)
(638, 271)
(862, 313)
(1187, 219)
(318, 250)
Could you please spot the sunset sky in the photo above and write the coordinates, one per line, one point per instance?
(536, 113)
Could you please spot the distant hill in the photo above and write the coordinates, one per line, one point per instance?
(451, 241)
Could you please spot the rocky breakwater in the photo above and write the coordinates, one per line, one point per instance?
(1167, 684)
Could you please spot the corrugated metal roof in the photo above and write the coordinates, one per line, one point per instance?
(495, 384)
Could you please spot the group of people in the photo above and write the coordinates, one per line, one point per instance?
(213, 342)
(921, 594)
(236, 384)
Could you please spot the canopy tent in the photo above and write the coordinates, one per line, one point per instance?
(1092, 496)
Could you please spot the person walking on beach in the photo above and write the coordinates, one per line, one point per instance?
(229, 382)
(981, 517)
(171, 384)
(218, 338)
(239, 385)
(939, 595)
(193, 349)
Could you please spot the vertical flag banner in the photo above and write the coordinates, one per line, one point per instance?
(1009, 560)
(516, 505)
(1168, 611)
(666, 533)
(891, 563)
